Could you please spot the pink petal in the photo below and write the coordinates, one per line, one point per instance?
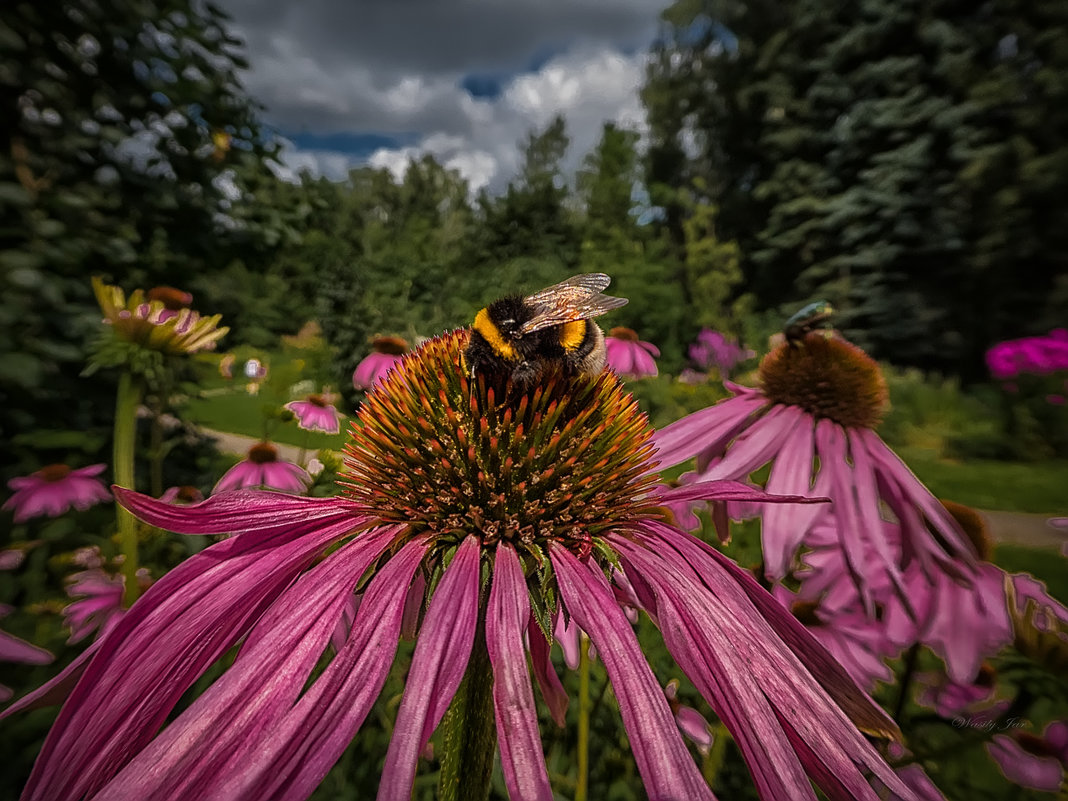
(317, 730)
(522, 761)
(438, 666)
(232, 720)
(707, 430)
(668, 771)
(179, 627)
(552, 690)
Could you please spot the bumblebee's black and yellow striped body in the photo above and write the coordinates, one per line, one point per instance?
(522, 338)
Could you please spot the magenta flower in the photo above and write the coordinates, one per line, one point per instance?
(263, 468)
(859, 643)
(628, 356)
(55, 489)
(812, 420)
(485, 515)
(1032, 761)
(97, 601)
(713, 351)
(1032, 355)
(950, 698)
(315, 414)
(387, 352)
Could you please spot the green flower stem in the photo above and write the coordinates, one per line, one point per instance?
(583, 756)
(716, 755)
(470, 731)
(126, 403)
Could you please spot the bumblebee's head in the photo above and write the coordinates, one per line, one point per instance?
(500, 325)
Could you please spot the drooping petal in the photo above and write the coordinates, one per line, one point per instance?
(180, 626)
(552, 690)
(233, 512)
(229, 723)
(757, 445)
(707, 561)
(667, 769)
(711, 658)
(838, 748)
(783, 527)
(438, 666)
(723, 490)
(707, 430)
(313, 735)
(522, 761)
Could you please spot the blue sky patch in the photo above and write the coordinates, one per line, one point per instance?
(359, 145)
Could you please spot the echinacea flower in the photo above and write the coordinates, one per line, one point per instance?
(97, 600)
(813, 420)
(154, 324)
(386, 352)
(493, 509)
(55, 489)
(858, 643)
(263, 468)
(713, 350)
(951, 699)
(1038, 762)
(314, 413)
(628, 356)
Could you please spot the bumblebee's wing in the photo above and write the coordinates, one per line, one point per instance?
(577, 286)
(568, 309)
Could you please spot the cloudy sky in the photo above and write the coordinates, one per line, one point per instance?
(355, 81)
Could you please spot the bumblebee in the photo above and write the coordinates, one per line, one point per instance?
(523, 338)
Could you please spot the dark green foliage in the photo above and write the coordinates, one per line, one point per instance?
(904, 160)
(123, 122)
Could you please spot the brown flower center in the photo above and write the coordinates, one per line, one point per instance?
(625, 334)
(562, 460)
(53, 472)
(318, 400)
(263, 453)
(805, 611)
(392, 345)
(974, 526)
(827, 377)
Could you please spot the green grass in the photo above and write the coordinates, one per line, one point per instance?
(1040, 563)
(1038, 487)
(237, 412)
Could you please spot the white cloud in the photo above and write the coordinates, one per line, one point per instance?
(588, 87)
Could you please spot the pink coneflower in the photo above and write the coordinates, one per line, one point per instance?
(55, 489)
(263, 468)
(387, 352)
(628, 356)
(1032, 761)
(714, 351)
(859, 643)
(812, 419)
(315, 414)
(950, 698)
(97, 600)
(490, 508)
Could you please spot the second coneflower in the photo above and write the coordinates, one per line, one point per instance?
(474, 515)
(812, 419)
